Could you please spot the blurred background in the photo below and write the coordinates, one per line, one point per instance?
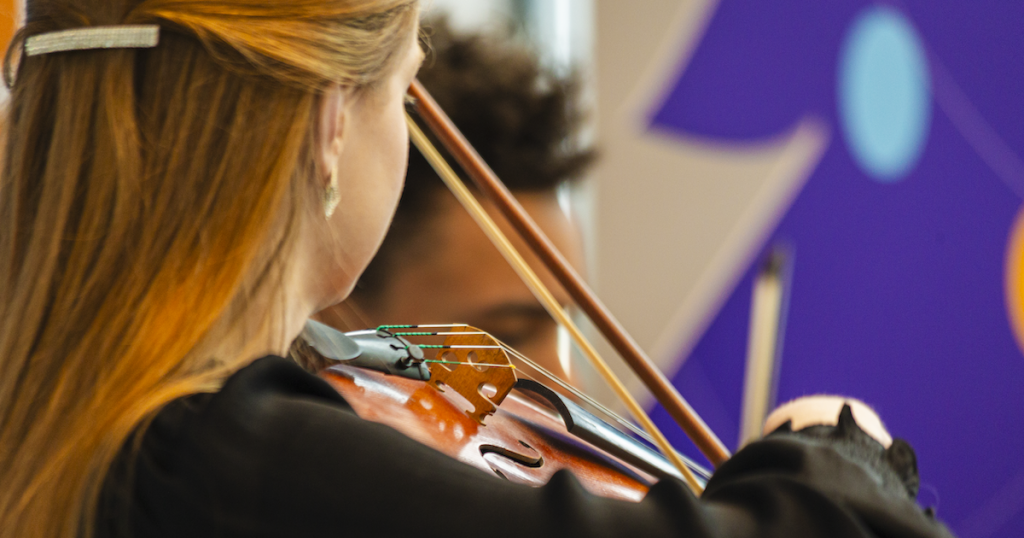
(830, 188)
(833, 187)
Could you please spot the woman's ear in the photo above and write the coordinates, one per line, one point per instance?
(333, 114)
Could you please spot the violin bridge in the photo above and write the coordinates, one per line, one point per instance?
(476, 367)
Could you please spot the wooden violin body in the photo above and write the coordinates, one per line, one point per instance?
(523, 441)
(468, 403)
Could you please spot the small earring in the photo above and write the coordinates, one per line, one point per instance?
(332, 196)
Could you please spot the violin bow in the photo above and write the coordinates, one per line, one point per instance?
(487, 182)
(532, 281)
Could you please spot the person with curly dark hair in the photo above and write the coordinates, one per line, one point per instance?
(435, 265)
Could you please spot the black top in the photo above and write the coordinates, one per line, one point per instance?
(277, 452)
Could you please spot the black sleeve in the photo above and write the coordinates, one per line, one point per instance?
(278, 453)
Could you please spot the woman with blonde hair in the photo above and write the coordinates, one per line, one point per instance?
(162, 209)
(185, 182)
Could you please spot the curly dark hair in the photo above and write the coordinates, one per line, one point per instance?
(520, 117)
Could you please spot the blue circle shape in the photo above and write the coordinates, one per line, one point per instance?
(884, 93)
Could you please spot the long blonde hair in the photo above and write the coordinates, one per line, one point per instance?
(143, 195)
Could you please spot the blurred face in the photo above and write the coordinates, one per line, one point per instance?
(369, 142)
(462, 278)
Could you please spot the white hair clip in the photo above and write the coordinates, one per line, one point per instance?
(143, 36)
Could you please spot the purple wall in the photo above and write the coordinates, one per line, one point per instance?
(900, 235)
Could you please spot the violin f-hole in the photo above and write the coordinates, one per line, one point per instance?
(522, 459)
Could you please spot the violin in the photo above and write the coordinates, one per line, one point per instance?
(469, 404)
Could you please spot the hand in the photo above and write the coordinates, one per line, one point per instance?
(823, 410)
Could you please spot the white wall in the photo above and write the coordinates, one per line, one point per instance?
(676, 219)
(471, 15)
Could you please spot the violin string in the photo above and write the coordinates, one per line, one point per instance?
(448, 333)
(441, 326)
(450, 346)
(509, 349)
(510, 366)
(459, 346)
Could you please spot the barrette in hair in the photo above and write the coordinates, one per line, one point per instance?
(140, 36)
